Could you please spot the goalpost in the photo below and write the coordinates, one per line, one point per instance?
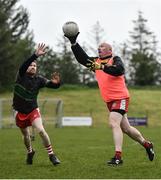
(51, 112)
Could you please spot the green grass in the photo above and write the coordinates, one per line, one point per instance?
(82, 150)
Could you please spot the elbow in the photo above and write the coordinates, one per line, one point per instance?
(118, 73)
(56, 86)
(114, 71)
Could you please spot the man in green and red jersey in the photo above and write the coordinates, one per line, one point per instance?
(109, 71)
(26, 89)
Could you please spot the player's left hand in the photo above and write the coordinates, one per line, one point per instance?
(93, 65)
(72, 39)
(55, 78)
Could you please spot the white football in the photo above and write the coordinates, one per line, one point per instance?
(70, 28)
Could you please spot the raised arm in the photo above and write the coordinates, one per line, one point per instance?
(78, 52)
(80, 55)
(39, 52)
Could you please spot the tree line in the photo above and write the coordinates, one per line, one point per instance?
(139, 54)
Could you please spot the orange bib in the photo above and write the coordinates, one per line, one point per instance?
(111, 87)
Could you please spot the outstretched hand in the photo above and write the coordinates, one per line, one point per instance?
(55, 78)
(72, 39)
(40, 49)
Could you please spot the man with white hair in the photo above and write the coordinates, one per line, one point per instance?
(26, 89)
(109, 71)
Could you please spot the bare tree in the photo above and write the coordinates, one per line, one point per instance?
(96, 36)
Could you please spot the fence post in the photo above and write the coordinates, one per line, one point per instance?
(59, 112)
(1, 113)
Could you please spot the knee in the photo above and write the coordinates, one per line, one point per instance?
(115, 120)
(40, 129)
(113, 125)
(26, 136)
(42, 132)
(126, 130)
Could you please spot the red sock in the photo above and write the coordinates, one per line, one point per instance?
(146, 144)
(29, 149)
(49, 149)
(118, 154)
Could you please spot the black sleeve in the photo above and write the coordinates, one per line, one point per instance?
(80, 55)
(23, 68)
(117, 69)
(49, 84)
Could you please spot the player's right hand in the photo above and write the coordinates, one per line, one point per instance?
(40, 49)
(93, 65)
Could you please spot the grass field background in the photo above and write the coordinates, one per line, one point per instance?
(85, 150)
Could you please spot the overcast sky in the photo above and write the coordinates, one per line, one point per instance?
(115, 17)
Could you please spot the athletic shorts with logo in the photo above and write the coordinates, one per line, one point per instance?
(121, 104)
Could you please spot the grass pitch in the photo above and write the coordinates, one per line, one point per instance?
(83, 152)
